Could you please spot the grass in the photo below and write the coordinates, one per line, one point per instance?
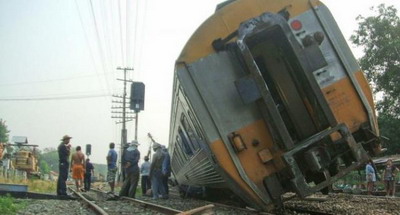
(34, 185)
(9, 205)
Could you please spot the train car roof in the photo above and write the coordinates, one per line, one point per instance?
(227, 19)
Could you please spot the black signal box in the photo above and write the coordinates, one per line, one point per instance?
(137, 96)
(88, 149)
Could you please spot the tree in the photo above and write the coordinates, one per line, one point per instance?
(379, 36)
(3, 132)
(50, 157)
(44, 167)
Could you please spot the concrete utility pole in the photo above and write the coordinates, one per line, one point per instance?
(126, 117)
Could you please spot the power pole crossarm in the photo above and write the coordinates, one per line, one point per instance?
(124, 80)
(125, 118)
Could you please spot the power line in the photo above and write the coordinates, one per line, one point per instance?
(54, 98)
(120, 32)
(136, 29)
(99, 42)
(106, 31)
(51, 80)
(88, 45)
(139, 45)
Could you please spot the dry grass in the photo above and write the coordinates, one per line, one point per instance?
(34, 185)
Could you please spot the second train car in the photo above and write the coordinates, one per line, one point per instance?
(269, 99)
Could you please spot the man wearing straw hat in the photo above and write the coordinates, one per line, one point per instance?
(63, 155)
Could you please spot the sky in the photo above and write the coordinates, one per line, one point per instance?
(58, 61)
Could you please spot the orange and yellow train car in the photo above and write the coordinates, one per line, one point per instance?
(269, 99)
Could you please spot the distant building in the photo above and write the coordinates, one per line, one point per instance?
(20, 139)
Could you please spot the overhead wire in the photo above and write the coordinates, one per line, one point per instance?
(127, 33)
(54, 98)
(101, 50)
(120, 30)
(139, 45)
(51, 80)
(88, 45)
(106, 34)
(136, 27)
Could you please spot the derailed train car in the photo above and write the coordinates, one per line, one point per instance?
(269, 99)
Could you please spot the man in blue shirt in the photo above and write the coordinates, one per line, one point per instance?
(371, 177)
(145, 172)
(63, 155)
(88, 174)
(130, 161)
(112, 157)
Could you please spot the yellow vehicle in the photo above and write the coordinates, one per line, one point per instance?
(26, 161)
(269, 99)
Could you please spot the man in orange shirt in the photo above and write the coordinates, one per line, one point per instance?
(78, 167)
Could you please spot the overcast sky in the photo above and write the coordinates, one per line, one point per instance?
(70, 49)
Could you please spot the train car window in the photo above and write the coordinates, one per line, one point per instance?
(185, 143)
(175, 157)
(190, 133)
(196, 125)
(176, 162)
(182, 155)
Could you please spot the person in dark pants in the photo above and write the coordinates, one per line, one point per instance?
(63, 155)
(166, 170)
(155, 172)
(112, 158)
(145, 171)
(88, 174)
(130, 161)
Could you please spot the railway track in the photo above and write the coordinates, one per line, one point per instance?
(300, 210)
(189, 205)
(100, 202)
(103, 203)
(186, 204)
(316, 204)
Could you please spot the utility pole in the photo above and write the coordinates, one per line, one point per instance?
(126, 117)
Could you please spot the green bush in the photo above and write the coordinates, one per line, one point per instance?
(8, 205)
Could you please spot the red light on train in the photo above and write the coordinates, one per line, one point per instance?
(296, 25)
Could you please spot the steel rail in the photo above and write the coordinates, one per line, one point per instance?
(308, 211)
(151, 206)
(207, 209)
(98, 210)
(155, 207)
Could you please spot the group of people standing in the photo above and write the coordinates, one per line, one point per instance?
(389, 177)
(154, 175)
(80, 168)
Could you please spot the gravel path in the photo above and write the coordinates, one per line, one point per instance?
(349, 204)
(187, 204)
(332, 204)
(54, 207)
